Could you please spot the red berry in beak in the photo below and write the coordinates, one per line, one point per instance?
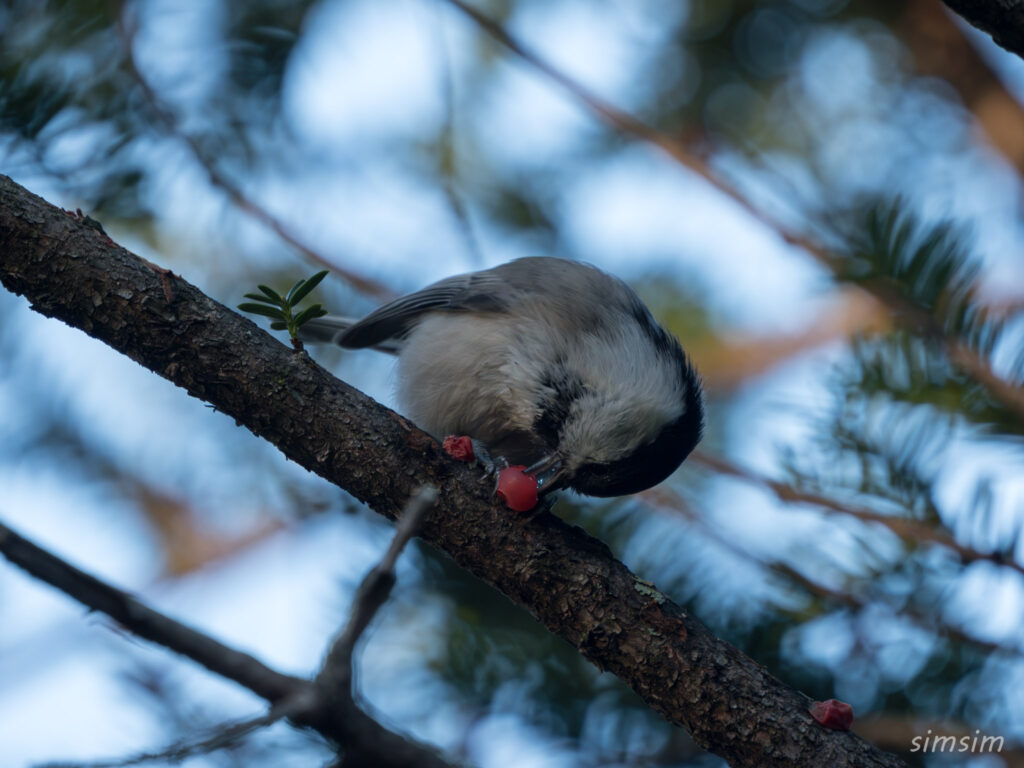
(517, 489)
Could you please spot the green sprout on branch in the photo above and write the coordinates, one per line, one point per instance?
(280, 309)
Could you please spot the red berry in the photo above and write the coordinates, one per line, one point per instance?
(834, 714)
(518, 489)
(459, 448)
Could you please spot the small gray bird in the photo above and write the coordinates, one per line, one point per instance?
(549, 363)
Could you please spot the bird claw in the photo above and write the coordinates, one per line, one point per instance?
(492, 465)
(465, 448)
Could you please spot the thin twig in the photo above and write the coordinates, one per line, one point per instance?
(1009, 393)
(219, 180)
(335, 676)
(223, 736)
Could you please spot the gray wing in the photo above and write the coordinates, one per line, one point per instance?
(480, 291)
(559, 284)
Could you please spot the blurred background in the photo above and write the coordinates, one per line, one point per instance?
(854, 519)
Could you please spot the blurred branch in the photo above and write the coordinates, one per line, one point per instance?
(240, 667)
(969, 360)
(730, 361)
(941, 49)
(335, 677)
(568, 580)
(446, 149)
(1002, 19)
(325, 704)
(186, 541)
(223, 736)
(665, 498)
(220, 181)
(906, 529)
(630, 125)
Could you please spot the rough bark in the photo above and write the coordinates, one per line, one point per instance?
(568, 580)
(1002, 19)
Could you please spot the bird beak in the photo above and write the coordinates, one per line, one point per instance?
(551, 474)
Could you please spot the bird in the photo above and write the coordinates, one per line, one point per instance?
(548, 363)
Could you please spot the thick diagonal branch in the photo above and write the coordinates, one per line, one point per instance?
(567, 579)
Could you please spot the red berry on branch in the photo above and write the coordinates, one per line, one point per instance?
(459, 447)
(834, 714)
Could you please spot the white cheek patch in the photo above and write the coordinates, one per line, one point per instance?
(634, 392)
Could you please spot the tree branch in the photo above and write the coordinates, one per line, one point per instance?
(335, 676)
(941, 48)
(666, 499)
(1002, 19)
(235, 665)
(905, 528)
(567, 579)
(332, 712)
(222, 736)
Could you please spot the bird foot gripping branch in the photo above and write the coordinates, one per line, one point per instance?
(516, 487)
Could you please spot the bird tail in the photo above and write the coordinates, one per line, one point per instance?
(326, 329)
(330, 329)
